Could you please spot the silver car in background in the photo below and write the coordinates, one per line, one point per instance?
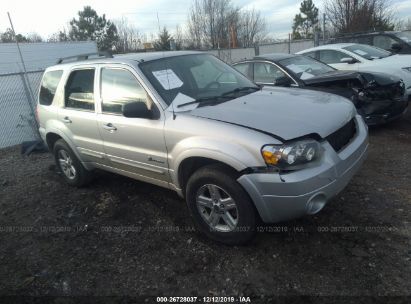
(189, 122)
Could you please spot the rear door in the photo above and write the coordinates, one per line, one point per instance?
(135, 145)
(78, 115)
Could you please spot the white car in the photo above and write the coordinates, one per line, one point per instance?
(362, 57)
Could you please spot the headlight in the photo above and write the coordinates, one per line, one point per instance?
(291, 155)
(408, 69)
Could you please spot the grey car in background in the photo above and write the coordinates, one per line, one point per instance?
(188, 122)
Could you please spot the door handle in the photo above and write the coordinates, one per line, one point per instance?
(109, 127)
(67, 120)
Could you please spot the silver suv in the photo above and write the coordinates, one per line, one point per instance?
(187, 121)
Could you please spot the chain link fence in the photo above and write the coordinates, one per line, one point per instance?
(17, 119)
(233, 55)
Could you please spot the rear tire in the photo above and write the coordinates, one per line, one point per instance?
(221, 208)
(70, 166)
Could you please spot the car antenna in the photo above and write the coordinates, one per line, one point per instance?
(172, 103)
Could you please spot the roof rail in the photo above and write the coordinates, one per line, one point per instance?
(362, 33)
(80, 57)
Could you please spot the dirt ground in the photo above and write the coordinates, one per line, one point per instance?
(126, 238)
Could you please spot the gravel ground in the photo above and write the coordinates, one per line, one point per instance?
(126, 238)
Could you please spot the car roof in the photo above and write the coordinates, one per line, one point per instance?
(131, 58)
(275, 56)
(335, 46)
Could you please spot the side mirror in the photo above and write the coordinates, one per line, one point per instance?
(396, 47)
(137, 110)
(348, 60)
(283, 82)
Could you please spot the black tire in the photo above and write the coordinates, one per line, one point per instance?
(82, 176)
(225, 179)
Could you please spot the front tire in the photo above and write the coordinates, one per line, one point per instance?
(221, 208)
(70, 166)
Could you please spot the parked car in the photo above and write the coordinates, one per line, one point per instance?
(398, 42)
(361, 57)
(378, 97)
(189, 122)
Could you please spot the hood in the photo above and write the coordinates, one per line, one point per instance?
(399, 61)
(283, 112)
(333, 76)
(364, 77)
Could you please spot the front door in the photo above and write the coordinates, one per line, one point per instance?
(134, 145)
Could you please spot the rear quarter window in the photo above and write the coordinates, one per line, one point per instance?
(49, 86)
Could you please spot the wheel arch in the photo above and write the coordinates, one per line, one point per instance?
(52, 136)
(191, 164)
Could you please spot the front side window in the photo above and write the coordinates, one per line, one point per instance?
(383, 42)
(368, 52)
(305, 67)
(332, 57)
(119, 87)
(79, 93)
(197, 76)
(267, 73)
(311, 54)
(49, 86)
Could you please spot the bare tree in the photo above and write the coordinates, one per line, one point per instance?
(208, 22)
(130, 38)
(251, 27)
(359, 15)
(220, 24)
(179, 37)
(34, 37)
(403, 25)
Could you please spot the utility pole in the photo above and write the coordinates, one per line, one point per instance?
(324, 16)
(289, 43)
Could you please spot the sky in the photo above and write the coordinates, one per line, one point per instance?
(48, 16)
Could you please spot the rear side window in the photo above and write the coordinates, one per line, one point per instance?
(243, 68)
(49, 86)
(80, 90)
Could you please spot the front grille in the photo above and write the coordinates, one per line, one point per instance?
(342, 136)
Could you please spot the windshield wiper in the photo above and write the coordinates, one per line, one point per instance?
(214, 99)
(238, 90)
(204, 99)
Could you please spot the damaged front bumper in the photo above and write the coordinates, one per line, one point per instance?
(279, 197)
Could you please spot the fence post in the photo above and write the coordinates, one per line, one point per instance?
(256, 49)
(289, 43)
(316, 38)
(28, 93)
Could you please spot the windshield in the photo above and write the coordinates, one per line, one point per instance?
(367, 51)
(404, 36)
(198, 76)
(305, 67)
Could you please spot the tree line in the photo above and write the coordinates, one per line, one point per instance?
(346, 16)
(222, 24)
(211, 24)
